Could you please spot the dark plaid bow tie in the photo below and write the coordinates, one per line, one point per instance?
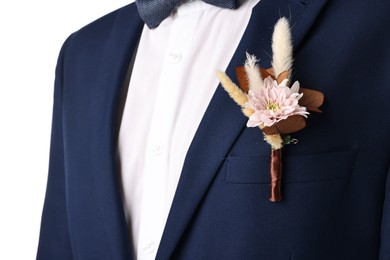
(153, 12)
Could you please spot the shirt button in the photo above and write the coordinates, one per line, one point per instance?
(149, 246)
(157, 149)
(175, 57)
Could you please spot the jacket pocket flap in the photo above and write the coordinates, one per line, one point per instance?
(296, 168)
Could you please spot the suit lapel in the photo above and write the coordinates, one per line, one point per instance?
(119, 49)
(223, 121)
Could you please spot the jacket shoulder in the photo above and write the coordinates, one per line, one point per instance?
(94, 35)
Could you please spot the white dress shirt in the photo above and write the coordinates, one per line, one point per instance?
(172, 83)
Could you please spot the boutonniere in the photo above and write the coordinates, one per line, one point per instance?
(266, 98)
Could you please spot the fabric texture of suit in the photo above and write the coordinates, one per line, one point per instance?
(336, 182)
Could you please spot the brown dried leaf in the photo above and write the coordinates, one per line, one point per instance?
(242, 79)
(282, 76)
(270, 130)
(265, 73)
(311, 99)
(290, 125)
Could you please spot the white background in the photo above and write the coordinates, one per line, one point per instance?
(31, 34)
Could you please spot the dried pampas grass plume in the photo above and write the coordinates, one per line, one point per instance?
(282, 49)
(232, 89)
(234, 92)
(255, 81)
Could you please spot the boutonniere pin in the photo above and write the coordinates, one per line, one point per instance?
(270, 104)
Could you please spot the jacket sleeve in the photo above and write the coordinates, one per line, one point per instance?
(54, 240)
(385, 234)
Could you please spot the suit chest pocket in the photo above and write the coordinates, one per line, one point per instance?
(296, 169)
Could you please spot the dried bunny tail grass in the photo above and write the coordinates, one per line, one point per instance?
(275, 141)
(232, 89)
(252, 72)
(282, 49)
(247, 111)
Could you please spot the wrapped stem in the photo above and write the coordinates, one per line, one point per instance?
(276, 175)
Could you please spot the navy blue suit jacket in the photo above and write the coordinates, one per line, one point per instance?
(336, 180)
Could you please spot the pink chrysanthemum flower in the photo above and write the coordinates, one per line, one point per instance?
(274, 102)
